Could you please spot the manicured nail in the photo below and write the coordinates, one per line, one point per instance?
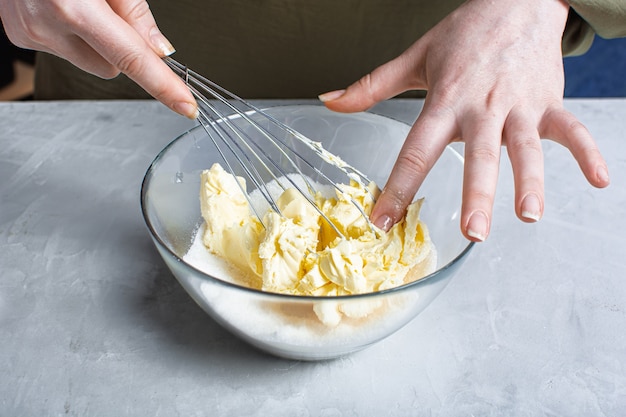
(161, 43)
(186, 109)
(383, 222)
(332, 95)
(478, 226)
(531, 207)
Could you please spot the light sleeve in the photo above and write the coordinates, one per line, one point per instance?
(605, 18)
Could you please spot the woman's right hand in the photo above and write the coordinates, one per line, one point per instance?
(104, 38)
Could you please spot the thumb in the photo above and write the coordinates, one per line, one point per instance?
(386, 81)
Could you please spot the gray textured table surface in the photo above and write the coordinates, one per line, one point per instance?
(92, 322)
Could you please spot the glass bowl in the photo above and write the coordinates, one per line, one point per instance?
(285, 325)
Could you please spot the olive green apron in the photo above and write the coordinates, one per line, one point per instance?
(266, 48)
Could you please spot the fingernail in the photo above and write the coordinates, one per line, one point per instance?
(531, 207)
(478, 226)
(161, 43)
(186, 109)
(603, 174)
(332, 95)
(383, 222)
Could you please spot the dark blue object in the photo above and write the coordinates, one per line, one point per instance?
(601, 72)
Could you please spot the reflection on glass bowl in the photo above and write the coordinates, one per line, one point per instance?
(285, 325)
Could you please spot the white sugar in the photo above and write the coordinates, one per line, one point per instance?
(282, 325)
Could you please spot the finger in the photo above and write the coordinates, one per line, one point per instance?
(427, 139)
(138, 15)
(386, 81)
(523, 145)
(53, 33)
(83, 56)
(564, 128)
(482, 136)
(123, 47)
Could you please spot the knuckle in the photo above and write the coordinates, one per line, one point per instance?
(366, 84)
(524, 144)
(579, 139)
(138, 11)
(443, 107)
(484, 154)
(134, 65)
(575, 128)
(395, 199)
(36, 31)
(414, 160)
(68, 13)
(27, 34)
(444, 99)
(130, 63)
(480, 197)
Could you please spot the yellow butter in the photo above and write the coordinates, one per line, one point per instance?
(299, 252)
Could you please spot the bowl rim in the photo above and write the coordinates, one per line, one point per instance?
(433, 276)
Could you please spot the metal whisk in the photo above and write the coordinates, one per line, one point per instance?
(262, 146)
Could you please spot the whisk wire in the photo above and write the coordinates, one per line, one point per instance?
(221, 129)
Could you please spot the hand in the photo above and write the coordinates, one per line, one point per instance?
(494, 75)
(103, 38)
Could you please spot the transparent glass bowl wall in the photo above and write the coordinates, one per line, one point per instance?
(285, 325)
